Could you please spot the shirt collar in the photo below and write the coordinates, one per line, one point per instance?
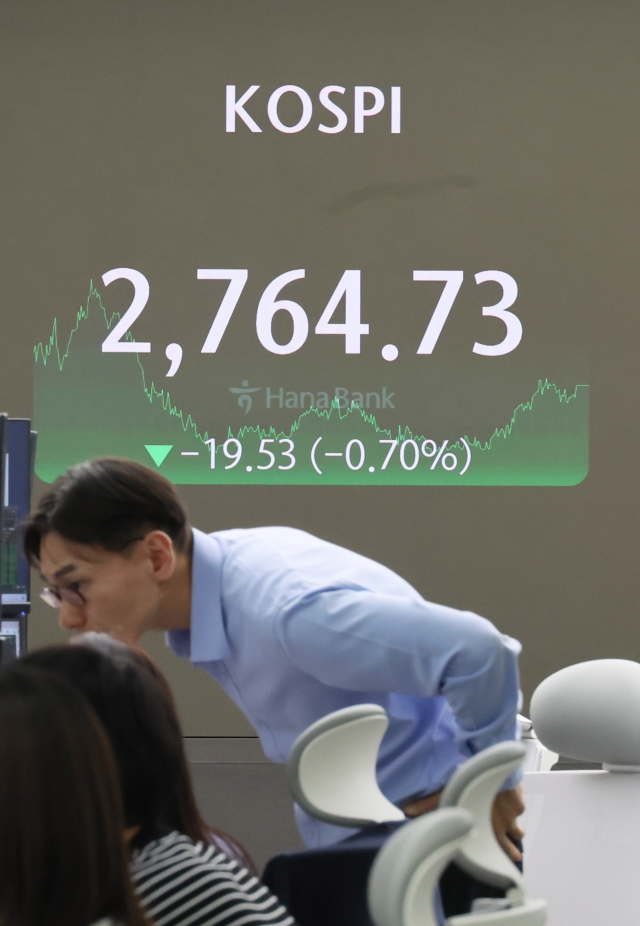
(206, 639)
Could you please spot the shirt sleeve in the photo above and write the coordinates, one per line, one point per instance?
(363, 641)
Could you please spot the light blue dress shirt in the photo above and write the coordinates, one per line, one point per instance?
(293, 627)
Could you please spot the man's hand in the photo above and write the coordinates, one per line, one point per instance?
(423, 804)
(507, 807)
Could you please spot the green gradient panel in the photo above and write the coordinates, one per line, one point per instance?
(9, 564)
(89, 403)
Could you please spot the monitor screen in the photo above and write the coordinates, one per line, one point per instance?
(10, 638)
(15, 508)
(3, 423)
(329, 277)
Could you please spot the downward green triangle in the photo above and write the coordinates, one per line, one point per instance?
(158, 452)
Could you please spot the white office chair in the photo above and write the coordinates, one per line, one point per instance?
(582, 848)
(406, 871)
(332, 768)
(474, 787)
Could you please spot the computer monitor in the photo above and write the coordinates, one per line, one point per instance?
(16, 501)
(3, 429)
(32, 449)
(8, 647)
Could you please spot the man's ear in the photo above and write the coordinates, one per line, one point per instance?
(161, 553)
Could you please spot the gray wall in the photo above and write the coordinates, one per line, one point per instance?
(106, 108)
(240, 791)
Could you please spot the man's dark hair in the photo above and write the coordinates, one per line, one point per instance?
(108, 503)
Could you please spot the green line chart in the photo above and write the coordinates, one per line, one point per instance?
(89, 404)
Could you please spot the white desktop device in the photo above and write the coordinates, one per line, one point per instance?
(582, 843)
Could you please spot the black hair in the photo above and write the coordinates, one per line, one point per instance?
(62, 852)
(135, 707)
(107, 502)
(132, 699)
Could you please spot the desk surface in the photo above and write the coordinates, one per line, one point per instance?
(582, 846)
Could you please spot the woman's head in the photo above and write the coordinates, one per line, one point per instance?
(62, 853)
(133, 701)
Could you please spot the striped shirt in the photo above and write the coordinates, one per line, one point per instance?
(184, 883)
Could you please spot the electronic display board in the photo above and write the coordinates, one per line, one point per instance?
(506, 158)
(350, 297)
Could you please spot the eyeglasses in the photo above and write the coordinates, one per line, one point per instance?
(54, 596)
(70, 593)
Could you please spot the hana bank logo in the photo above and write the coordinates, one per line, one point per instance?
(339, 397)
(244, 394)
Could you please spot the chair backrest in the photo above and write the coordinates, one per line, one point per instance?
(589, 712)
(473, 787)
(332, 768)
(406, 870)
(404, 876)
